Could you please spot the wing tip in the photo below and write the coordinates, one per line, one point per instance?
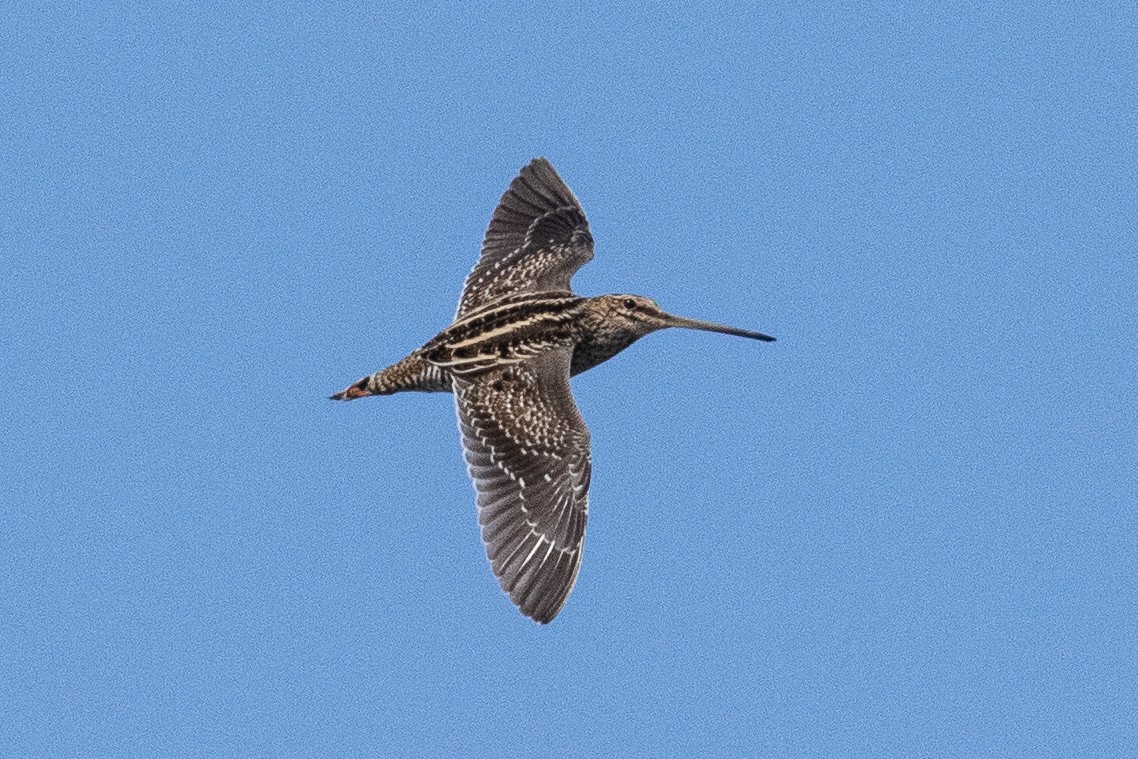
(540, 172)
(542, 612)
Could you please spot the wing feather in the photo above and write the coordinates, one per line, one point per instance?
(527, 450)
(537, 239)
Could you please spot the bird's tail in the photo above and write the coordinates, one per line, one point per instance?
(411, 374)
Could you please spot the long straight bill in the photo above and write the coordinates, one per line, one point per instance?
(679, 321)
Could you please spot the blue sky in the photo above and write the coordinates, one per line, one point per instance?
(907, 528)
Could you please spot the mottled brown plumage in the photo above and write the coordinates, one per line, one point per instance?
(518, 335)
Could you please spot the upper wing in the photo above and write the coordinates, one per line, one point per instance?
(538, 237)
(527, 450)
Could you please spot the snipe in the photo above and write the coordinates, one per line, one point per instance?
(518, 336)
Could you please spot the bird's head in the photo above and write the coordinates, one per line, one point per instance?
(637, 315)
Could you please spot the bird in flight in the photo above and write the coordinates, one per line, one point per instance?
(518, 336)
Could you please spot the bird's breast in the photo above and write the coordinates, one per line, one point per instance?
(596, 347)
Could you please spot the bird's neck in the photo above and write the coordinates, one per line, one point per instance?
(601, 338)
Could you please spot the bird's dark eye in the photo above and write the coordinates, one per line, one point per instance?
(630, 304)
